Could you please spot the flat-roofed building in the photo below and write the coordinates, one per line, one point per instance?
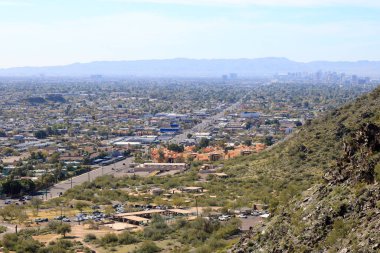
(149, 167)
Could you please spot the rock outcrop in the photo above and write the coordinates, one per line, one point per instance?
(340, 215)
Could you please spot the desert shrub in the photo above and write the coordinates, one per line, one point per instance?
(127, 238)
(377, 172)
(157, 230)
(3, 229)
(204, 249)
(214, 243)
(148, 247)
(9, 241)
(13, 242)
(340, 230)
(109, 239)
(231, 228)
(153, 234)
(53, 225)
(89, 237)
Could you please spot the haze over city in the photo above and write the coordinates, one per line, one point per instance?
(45, 33)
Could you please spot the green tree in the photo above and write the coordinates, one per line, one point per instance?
(54, 158)
(248, 143)
(268, 140)
(12, 212)
(80, 205)
(12, 187)
(63, 229)
(204, 142)
(176, 148)
(41, 134)
(36, 203)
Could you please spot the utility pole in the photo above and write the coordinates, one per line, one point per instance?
(46, 186)
(61, 212)
(71, 182)
(196, 204)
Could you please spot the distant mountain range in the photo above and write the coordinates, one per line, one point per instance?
(197, 68)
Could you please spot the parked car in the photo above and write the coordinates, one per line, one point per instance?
(78, 219)
(59, 217)
(255, 213)
(8, 202)
(224, 217)
(41, 220)
(242, 216)
(66, 220)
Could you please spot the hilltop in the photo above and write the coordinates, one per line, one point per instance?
(337, 159)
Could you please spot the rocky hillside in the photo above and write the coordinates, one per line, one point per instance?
(341, 212)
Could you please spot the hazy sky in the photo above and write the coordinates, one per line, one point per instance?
(55, 32)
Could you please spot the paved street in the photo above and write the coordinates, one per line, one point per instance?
(121, 168)
(106, 170)
(204, 124)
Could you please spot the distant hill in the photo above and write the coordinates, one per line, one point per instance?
(323, 183)
(197, 68)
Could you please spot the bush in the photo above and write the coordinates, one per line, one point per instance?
(157, 229)
(2, 229)
(377, 172)
(89, 237)
(216, 243)
(148, 247)
(28, 245)
(109, 239)
(53, 225)
(204, 249)
(10, 241)
(126, 238)
(153, 234)
(229, 229)
(339, 231)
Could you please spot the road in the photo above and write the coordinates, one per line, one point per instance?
(63, 186)
(204, 124)
(122, 166)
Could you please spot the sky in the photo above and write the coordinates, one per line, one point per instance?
(59, 32)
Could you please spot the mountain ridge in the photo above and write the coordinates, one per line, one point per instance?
(341, 211)
(184, 67)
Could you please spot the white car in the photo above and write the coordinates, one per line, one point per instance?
(224, 218)
(242, 216)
